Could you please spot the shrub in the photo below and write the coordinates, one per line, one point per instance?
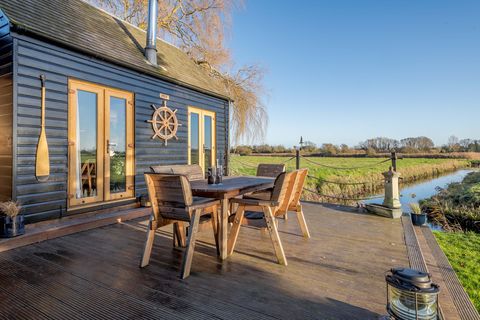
(243, 150)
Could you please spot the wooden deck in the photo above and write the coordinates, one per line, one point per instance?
(337, 274)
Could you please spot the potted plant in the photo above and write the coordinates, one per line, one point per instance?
(419, 218)
(11, 222)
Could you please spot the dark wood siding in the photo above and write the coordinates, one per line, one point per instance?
(44, 200)
(6, 111)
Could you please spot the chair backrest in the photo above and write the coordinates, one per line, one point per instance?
(282, 190)
(162, 169)
(170, 195)
(270, 170)
(298, 188)
(192, 171)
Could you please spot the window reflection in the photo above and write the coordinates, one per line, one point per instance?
(86, 147)
(208, 141)
(117, 148)
(194, 138)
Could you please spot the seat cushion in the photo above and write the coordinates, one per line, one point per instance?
(253, 215)
(251, 219)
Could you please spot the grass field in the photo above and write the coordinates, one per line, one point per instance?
(368, 174)
(463, 252)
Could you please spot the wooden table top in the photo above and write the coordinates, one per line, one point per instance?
(231, 186)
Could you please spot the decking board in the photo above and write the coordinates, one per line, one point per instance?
(337, 274)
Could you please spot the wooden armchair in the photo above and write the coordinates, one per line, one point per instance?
(264, 212)
(267, 170)
(294, 204)
(172, 202)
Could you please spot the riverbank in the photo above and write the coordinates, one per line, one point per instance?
(456, 207)
(363, 181)
(462, 250)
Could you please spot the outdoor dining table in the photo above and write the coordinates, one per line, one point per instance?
(231, 187)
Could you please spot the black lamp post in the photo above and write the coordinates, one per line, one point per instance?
(411, 295)
(297, 152)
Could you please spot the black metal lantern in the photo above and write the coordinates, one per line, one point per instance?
(411, 295)
(301, 142)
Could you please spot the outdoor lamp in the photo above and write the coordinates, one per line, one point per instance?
(411, 295)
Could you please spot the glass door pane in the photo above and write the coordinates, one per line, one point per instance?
(86, 145)
(116, 145)
(208, 142)
(194, 138)
(101, 144)
(201, 137)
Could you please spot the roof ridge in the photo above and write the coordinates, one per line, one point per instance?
(129, 23)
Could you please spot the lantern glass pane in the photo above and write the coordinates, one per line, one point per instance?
(403, 303)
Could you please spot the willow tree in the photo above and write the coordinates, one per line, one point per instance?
(199, 27)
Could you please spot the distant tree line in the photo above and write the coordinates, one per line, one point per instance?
(372, 146)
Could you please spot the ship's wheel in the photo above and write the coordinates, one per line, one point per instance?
(164, 123)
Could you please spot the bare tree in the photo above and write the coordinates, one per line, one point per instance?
(199, 28)
(453, 143)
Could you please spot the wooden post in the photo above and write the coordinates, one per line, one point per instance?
(297, 155)
(394, 160)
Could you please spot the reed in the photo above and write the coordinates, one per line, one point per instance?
(415, 208)
(10, 208)
(457, 207)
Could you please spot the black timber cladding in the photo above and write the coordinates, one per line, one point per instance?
(6, 109)
(33, 57)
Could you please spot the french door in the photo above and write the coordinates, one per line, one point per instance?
(100, 144)
(201, 137)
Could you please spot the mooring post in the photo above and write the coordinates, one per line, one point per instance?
(297, 156)
(391, 207)
(392, 190)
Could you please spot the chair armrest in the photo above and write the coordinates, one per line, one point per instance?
(255, 202)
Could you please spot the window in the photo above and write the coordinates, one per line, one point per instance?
(201, 137)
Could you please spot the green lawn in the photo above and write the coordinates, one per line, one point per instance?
(463, 252)
(411, 170)
(420, 165)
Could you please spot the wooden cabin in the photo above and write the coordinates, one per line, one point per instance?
(102, 92)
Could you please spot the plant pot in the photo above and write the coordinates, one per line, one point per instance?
(11, 227)
(419, 219)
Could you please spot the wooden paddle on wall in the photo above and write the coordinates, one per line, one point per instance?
(42, 164)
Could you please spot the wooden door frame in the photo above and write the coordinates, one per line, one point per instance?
(201, 138)
(129, 145)
(73, 87)
(103, 108)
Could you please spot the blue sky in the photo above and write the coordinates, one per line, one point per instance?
(343, 71)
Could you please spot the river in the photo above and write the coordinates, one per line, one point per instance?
(417, 191)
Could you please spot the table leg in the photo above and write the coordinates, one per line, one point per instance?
(223, 229)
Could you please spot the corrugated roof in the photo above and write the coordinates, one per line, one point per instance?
(84, 27)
